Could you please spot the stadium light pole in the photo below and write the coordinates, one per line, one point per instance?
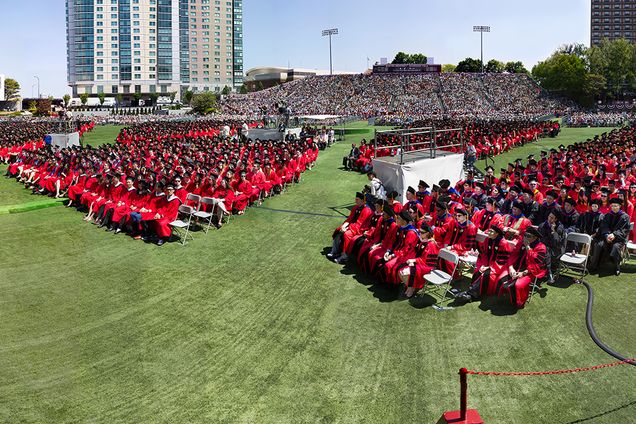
(481, 29)
(325, 33)
(38, 78)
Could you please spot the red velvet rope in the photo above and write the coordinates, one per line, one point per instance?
(533, 373)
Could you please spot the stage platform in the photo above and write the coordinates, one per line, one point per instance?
(62, 141)
(416, 156)
(429, 165)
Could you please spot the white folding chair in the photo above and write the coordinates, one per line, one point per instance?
(181, 227)
(630, 246)
(194, 198)
(574, 263)
(440, 279)
(535, 287)
(206, 216)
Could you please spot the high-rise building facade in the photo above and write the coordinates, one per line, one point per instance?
(613, 19)
(153, 46)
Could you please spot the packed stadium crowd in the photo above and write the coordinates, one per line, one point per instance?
(452, 94)
(138, 184)
(596, 119)
(514, 226)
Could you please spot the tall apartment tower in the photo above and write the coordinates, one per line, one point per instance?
(613, 19)
(153, 46)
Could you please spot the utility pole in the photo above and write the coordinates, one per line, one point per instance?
(325, 33)
(481, 29)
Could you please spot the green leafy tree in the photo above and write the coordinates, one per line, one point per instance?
(418, 58)
(173, 95)
(84, 98)
(469, 65)
(400, 58)
(33, 106)
(494, 66)
(593, 86)
(515, 68)
(120, 99)
(405, 58)
(154, 97)
(187, 96)
(11, 89)
(102, 98)
(43, 107)
(204, 103)
(616, 62)
(137, 97)
(67, 99)
(449, 67)
(563, 74)
(226, 90)
(243, 89)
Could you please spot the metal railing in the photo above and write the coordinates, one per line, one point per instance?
(429, 143)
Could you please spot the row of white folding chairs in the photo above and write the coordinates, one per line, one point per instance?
(182, 226)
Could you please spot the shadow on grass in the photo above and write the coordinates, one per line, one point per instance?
(604, 413)
(338, 209)
(497, 306)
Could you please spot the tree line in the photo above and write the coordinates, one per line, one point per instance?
(585, 74)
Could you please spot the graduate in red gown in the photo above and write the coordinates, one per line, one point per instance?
(114, 212)
(492, 262)
(530, 264)
(412, 271)
(376, 221)
(381, 241)
(487, 217)
(167, 212)
(460, 234)
(147, 213)
(357, 223)
(515, 224)
(403, 249)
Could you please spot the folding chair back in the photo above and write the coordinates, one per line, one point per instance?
(182, 227)
(630, 246)
(207, 215)
(451, 257)
(208, 201)
(186, 210)
(576, 262)
(195, 198)
(579, 238)
(441, 279)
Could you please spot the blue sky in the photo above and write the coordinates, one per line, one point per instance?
(278, 33)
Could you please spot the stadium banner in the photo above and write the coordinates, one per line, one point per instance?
(407, 68)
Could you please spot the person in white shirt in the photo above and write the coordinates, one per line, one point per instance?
(376, 188)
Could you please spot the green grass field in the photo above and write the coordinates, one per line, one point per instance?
(102, 134)
(252, 324)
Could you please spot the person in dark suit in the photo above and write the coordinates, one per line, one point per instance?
(612, 237)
